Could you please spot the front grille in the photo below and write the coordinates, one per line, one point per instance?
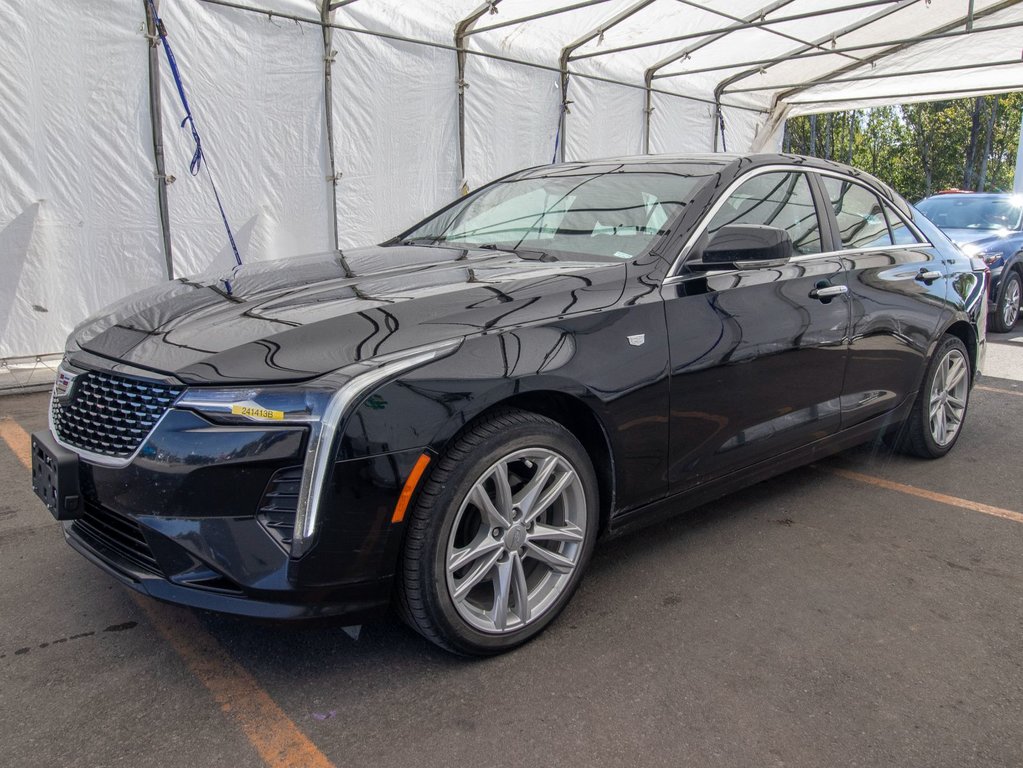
(111, 415)
(111, 533)
(279, 505)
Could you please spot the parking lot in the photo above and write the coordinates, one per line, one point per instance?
(865, 611)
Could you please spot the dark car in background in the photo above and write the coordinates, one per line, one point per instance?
(448, 421)
(990, 227)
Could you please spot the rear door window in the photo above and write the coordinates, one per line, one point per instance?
(902, 234)
(861, 219)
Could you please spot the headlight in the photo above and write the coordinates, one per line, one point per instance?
(322, 405)
(258, 405)
(991, 256)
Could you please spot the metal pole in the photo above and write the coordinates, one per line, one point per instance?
(824, 39)
(326, 11)
(534, 16)
(650, 74)
(462, 29)
(449, 47)
(566, 56)
(751, 25)
(1017, 184)
(889, 51)
(766, 27)
(907, 98)
(887, 75)
(648, 109)
(832, 51)
(156, 123)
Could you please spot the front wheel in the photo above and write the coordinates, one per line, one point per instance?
(1007, 308)
(500, 535)
(938, 414)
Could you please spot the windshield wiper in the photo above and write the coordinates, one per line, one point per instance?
(422, 241)
(522, 253)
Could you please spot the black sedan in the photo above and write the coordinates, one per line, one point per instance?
(447, 422)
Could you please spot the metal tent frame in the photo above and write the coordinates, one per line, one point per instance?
(679, 75)
(842, 64)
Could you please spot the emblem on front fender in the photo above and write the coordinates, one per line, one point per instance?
(638, 340)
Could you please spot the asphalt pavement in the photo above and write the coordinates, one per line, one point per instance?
(865, 611)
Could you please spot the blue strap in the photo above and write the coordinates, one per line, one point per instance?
(197, 157)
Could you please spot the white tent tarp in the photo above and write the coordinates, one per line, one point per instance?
(80, 221)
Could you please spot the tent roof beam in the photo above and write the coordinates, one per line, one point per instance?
(841, 49)
(741, 21)
(534, 16)
(886, 75)
(685, 53)
(969, 18)
(757, 24)
(905, 98)
(833, 35)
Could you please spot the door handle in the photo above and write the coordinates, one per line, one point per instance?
(928, 275)
(825, 292)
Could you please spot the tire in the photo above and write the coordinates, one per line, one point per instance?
(476, 577)
(938, 414)
(1007, 307)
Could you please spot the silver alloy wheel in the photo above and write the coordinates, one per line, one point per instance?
(1010, 304)
(948, 397)
(516, 540)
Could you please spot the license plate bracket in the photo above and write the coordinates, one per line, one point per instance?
(55, 477)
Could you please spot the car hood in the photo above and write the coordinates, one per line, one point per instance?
(296, 319)
(977, 236)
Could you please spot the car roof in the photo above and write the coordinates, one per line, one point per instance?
(720, 160)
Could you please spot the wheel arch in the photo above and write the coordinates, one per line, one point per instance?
(576, 416)
(963, 330)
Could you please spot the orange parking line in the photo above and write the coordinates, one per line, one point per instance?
(17, 440)
(276, 737)
(955, 501)
(999, 391)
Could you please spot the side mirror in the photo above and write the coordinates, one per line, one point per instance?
(747, 246)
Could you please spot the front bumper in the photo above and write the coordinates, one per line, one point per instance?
(181, 523)
(355, 603)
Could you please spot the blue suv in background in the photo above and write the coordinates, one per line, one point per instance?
(989, 226)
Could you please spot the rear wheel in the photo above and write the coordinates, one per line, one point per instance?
(1007, 309)
(500, 535)
(936, 420)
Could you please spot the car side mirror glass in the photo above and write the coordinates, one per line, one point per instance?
(746, 246)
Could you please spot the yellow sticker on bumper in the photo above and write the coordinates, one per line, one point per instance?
(255, 412)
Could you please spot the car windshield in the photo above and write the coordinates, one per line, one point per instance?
(601, 212)
(968, 212)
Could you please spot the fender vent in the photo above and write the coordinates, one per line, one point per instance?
(279, 505)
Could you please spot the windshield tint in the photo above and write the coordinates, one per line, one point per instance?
(589, 211)
(967, 212)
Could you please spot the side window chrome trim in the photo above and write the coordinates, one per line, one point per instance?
(673, 273)
(880, 248)
(804, 259)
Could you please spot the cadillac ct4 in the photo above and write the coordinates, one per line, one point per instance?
(448, 422)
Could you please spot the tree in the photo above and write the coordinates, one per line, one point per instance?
(921, 148)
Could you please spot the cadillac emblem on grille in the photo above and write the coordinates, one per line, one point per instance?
(63, 387)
